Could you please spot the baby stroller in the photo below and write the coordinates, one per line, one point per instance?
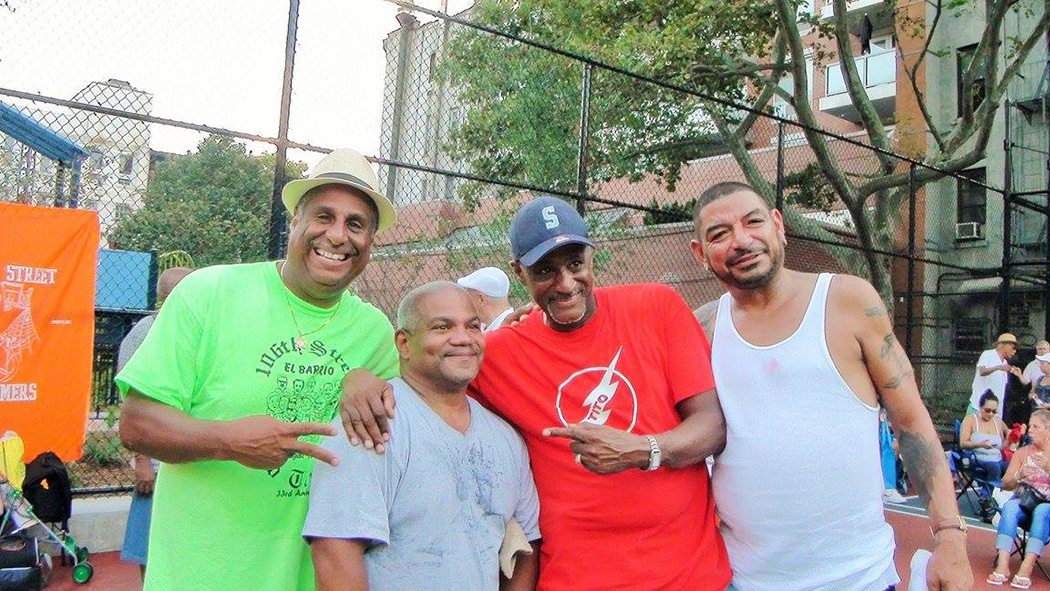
(20, 526)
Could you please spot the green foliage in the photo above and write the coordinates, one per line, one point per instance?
(213, 205)
(669, 213)
(175, 258)
(809, 189)
(103, 449)
(523, 103)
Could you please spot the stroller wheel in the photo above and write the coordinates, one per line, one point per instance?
(82, 553)
(82, 573)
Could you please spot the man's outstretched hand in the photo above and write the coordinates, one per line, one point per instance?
(264, 442)
(604, 450)
(366, 408)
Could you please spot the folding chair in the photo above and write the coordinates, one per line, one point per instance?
(1021, 541)
(969, 476)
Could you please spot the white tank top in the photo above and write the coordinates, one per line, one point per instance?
(799, 485)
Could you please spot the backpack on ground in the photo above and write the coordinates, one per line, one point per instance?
(48, 489)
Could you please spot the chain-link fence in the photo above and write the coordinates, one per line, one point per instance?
(475, 121)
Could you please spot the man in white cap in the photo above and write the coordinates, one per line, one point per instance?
(488, 287)
(1033, 371)
(993, 372)
(243, 361)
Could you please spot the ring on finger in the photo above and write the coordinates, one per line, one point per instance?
(579, 459)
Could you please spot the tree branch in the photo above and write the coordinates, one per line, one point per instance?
(913, 74)
(987, 47)
(995, 88)
(858, 94)
(744, 69)
(770, 87)
(923, 174)
(817, 141)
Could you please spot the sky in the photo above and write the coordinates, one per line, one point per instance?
(218, 63)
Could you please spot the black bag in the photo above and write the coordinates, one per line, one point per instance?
(1029, 498)
(47, 488)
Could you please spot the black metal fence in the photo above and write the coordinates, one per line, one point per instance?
(474, 121)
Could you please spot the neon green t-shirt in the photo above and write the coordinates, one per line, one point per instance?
(222, 348)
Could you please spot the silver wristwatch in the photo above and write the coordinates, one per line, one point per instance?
(654, 453)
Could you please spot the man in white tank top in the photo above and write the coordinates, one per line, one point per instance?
(798, 487)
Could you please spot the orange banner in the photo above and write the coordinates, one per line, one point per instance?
(47, 325)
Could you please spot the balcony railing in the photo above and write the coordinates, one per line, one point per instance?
(874, 69)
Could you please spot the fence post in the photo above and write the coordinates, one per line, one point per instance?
(585, 124)
(780, 166)
(910, 298)
(277, 217)
(60, 178)
(1004, 288)
(404, 46)
(1046, 248)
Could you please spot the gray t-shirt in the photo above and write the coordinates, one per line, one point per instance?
(133, 339)
(435, 505)
(128, 346)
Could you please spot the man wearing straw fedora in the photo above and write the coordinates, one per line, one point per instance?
(993, 372)
(242, 363)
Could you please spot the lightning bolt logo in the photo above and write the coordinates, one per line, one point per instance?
(602, 394)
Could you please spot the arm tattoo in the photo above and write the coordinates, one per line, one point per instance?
(891, 354)
(875, 311)
(887, 346)
(923, 460)
(897, 380)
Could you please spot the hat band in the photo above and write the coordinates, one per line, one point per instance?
(345, 177)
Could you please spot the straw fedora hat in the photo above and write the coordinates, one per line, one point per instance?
(342, 167)
(1006, 337)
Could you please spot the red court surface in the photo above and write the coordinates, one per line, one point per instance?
(912, 532)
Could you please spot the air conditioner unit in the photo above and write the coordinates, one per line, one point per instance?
(969, 231)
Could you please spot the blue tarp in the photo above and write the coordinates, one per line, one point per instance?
(125, 280)
(38, 137)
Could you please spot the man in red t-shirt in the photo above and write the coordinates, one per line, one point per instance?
(613, 392)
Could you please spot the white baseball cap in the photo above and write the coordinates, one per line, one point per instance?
(488, 280)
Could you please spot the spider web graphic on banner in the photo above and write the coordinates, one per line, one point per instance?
(21, 335)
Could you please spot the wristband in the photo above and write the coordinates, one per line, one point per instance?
(952, 523)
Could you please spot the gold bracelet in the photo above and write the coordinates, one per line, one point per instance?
(952, 523)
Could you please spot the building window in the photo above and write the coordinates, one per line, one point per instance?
(963, 57)
(968, 335)
(97, 162)
(971, 198)
(127, 164)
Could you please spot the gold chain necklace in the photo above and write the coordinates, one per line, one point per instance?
(300, 341)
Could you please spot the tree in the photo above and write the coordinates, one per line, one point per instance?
(522, 103)
(213, 204)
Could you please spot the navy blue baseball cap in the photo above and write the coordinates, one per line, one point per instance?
(542, 225)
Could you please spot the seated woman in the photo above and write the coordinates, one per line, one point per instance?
(1040, 395)
(1029, 467)
(984, 433)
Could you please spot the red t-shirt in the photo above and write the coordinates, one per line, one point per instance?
(639, 355)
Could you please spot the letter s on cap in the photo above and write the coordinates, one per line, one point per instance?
(550, 217)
